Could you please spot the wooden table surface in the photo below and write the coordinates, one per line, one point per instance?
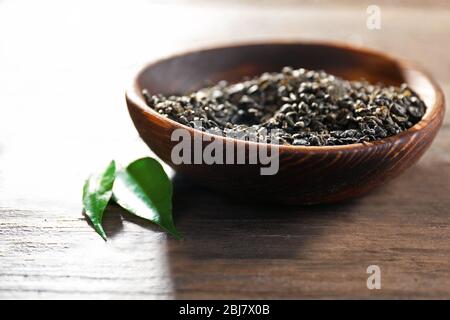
(63, 70)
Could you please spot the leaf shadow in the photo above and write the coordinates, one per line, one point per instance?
(112, 221)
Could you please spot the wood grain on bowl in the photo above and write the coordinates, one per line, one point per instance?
(306, 175)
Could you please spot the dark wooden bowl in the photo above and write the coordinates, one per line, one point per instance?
(307, 174)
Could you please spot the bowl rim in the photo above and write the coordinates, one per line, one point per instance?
(133, 94)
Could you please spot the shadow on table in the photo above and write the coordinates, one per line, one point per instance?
(217, 226)
(231, 243)
(234, 243)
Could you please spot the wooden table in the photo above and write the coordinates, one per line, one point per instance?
(63, 70)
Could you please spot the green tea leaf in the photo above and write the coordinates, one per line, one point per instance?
(144, 189)
(97, 192)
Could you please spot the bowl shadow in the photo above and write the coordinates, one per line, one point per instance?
(233, 228)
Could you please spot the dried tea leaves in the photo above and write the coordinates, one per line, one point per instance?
(303, 107)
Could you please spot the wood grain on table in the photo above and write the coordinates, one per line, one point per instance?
(62, 115)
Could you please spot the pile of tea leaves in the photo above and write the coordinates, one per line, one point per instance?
(303, 107)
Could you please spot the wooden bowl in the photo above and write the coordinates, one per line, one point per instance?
(306, 175)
